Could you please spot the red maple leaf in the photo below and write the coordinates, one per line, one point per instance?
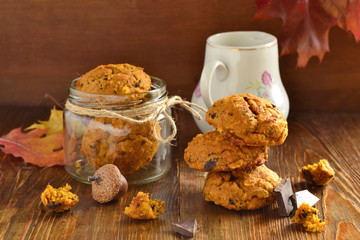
(306, 23)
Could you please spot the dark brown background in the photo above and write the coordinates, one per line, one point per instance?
(44, 44)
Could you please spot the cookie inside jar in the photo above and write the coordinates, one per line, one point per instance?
(103, 124)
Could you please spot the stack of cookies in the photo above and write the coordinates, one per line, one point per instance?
(129, 146)
(234, 154)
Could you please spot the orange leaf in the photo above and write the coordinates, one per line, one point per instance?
(53, 125)
(34, 147)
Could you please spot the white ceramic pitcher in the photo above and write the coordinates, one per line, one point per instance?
(240, 62)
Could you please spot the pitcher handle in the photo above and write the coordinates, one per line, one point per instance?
(207, 76)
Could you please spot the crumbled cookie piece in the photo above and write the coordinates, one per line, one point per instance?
(318, 173)
(242, 190)
(254, 120)
(58, 199)
(141, 207)
(213, 152)
(308, 217)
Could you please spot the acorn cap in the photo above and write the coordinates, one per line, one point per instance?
(108, 183)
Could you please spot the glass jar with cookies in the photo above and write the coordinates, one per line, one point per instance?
(109, 118)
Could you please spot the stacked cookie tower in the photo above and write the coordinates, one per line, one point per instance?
(235, 152)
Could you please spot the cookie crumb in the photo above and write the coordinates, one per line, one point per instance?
(58, 199)
(319, 173)
(308, 217)
(141, 207)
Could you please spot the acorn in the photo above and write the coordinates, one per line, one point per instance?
(108, 184)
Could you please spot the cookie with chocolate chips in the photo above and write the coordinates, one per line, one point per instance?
(127, 145)
(241, 190)
(114, 79)
(214, 152)
(254, 120)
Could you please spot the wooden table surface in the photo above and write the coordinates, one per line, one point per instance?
(331, 135)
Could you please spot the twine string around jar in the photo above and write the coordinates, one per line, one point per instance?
(143, 113)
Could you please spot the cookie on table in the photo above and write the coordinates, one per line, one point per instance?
(318, 173)
(308, 217)
(141, 207)
(214, 152)
(129, 146)
(241, 190)
(114, 79)
(58, 199)
(254, 120)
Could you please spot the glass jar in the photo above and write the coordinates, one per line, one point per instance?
(91, 142)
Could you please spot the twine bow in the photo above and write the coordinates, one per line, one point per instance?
(143, 113)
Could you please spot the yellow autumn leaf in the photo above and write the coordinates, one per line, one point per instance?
(54, 124)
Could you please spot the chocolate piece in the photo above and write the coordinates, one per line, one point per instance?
(294, 204)
(187, 228)
(283, 192)
(305, 197)
(209, 165)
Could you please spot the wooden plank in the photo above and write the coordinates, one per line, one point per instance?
(334, 136)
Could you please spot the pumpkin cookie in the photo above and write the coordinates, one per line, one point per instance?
(254, 120)
(241, 190)
(114, 79)
(214, 152)
(129, 146)
(141, 207)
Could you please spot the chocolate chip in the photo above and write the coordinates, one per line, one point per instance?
(209, 165)
(230, 114)
(294, 204)
(231, 202)
(303, 214)
(53, 206)
(307, 175)
(283, 192)
(214, 115)
(187, 228)
(137, 85)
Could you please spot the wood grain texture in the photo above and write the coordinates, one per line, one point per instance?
(334, 136)
(45, 44)
(22, 215)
